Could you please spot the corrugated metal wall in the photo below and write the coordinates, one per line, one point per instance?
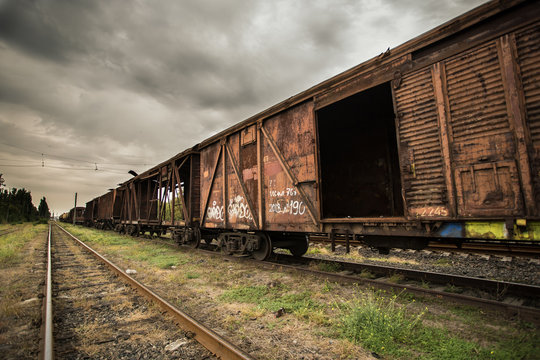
(477, 158)
(528, 48)
(420, 146)
(483, 147)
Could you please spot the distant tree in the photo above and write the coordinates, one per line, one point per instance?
(43, 209)
(16, 206)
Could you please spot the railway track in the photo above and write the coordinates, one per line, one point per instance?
(97, 314)
(509, 298)
(526, 249)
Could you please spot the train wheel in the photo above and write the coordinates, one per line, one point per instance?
(194, 238)
(265, 248)
(300, 248)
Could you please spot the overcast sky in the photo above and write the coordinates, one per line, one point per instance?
(120, 85)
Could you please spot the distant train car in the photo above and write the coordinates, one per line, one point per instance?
(77, 213)
(103, 212)
(438, 138)
(164, 197)
(64, 217)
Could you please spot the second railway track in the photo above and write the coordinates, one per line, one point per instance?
(98, 315)
(514, 299)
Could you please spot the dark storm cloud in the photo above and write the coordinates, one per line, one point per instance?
(135, 82)
(44, 28)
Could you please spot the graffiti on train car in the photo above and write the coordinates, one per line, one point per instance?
(238, 208)
(284, 201)
(215, 212)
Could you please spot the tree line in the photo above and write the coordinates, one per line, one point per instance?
(16, 206)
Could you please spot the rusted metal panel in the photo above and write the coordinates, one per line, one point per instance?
(195, 193)
(386, 71)
(290, 177)
(89, 211)
(528, 49)
(441, 95)
(232, 191)
(516, 115)
(420, 146)
(118, 203)
(105, 206)
(241, 211)
(487, 180)
(213, 207)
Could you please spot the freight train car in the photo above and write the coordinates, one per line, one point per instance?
(103, 212)
(166, 197)
(74, 216)
(437, 138)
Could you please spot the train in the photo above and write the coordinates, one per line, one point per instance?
(76, 214)
(438, 138)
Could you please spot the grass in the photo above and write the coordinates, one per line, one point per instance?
(192, 275)
(396, 278)
(366, 274)
(328, 267)
(377, 324)
(394, 326)
(451, 288)
(388, 327)
(11, 244)
(272, 298)
(154, 254)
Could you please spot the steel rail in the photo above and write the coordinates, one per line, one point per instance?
(494, 286)
(522, 290)
(469, 246)
(205, 336)
(523, 312)
(47, 351)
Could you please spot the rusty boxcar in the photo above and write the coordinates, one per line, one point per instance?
(439, 137)
(164, 197)
(103, 212)
(75, 215)
(436, 138)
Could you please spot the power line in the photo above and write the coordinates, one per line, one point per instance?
(112, 171)
(10, 165)
(67, 158)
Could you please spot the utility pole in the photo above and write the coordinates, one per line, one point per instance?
(7, 196)
(75, 209)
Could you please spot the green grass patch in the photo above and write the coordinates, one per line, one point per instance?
(451, 288)
(387, 327)
(366, 274)
(396, 278)
(131, 248)
(328, 267)
(12, 244)
(377, 324)
(192, 275)
(313, 250)
(272, 298)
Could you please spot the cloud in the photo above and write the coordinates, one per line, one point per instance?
(116, 82)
